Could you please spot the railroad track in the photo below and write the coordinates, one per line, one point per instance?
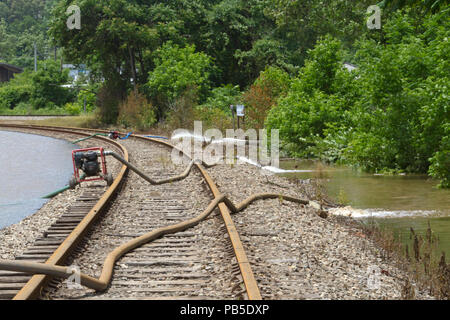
(175, 266)
(62, 237)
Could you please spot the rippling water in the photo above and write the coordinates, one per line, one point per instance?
(397, 202)
(31, 166)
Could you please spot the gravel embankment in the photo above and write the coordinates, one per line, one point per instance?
(295, 254)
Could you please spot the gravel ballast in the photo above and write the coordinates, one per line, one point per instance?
(295, 253)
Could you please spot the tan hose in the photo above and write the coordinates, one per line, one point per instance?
(261, 196)
(102, 283)
(146, 177)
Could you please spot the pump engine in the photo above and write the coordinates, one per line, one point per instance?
(87, 162)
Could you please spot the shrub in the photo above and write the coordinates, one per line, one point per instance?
(18, 90)
(302, 120)
(321, 67)
(213, 118)
(176, 70)
(46, 86)
(390, 114)
(440, 162)
(263, 95)
(223, 97)
(136, 112)
(12, 95)
(73, 109)
(90, 98)
(108, 98)
(181, 111)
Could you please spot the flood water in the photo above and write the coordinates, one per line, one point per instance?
(396, 202)
(31, 166)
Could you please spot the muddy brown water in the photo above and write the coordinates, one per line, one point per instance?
(31, 166)
(395, 202)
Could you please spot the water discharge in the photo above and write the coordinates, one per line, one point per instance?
(31, 166)
(398, 202)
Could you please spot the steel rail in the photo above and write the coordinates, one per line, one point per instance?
(103, 282)
(33, 287)
(248, 277)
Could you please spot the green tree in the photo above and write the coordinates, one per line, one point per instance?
(300, 24)
(176, 70)
(47, 90)
(391, 113)
(23, 23)
(272, 84)
(428, 5)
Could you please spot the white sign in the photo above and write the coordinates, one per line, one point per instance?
(240, 110)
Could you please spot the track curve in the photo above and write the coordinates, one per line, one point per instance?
(34, 286)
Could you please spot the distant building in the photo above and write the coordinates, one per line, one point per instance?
(7, 72)
(350, 67)
(75, 72)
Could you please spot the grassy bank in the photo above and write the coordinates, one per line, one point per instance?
(83, 121)
(419, 258)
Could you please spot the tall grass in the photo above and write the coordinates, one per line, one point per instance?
(419, 258)
(84, 121)
(136, 112)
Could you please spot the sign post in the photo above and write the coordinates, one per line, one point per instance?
(240, 113)
(232, 112)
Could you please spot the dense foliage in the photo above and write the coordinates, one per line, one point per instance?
(40, 90)
(176, 70)
(390, 114)
(23, 23)
(181, 60)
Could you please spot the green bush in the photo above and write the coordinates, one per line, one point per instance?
(276, 80)
(18, 90)
(271, 84)
(89, 96)
(310, 106)
(46, 86)
(321, 67)
(41, 89)
(73, 109)
(223, 97)
(136, 112)
(213, 118)
(302, 120)
(176, 70)
(391, 114)
(440, 162)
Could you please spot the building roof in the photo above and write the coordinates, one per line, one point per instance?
(350, 67)
(11, 68)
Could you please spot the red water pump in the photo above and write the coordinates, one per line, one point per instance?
(114, 135)
(87, 162)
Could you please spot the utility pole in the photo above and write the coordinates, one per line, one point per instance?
(35, 57)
